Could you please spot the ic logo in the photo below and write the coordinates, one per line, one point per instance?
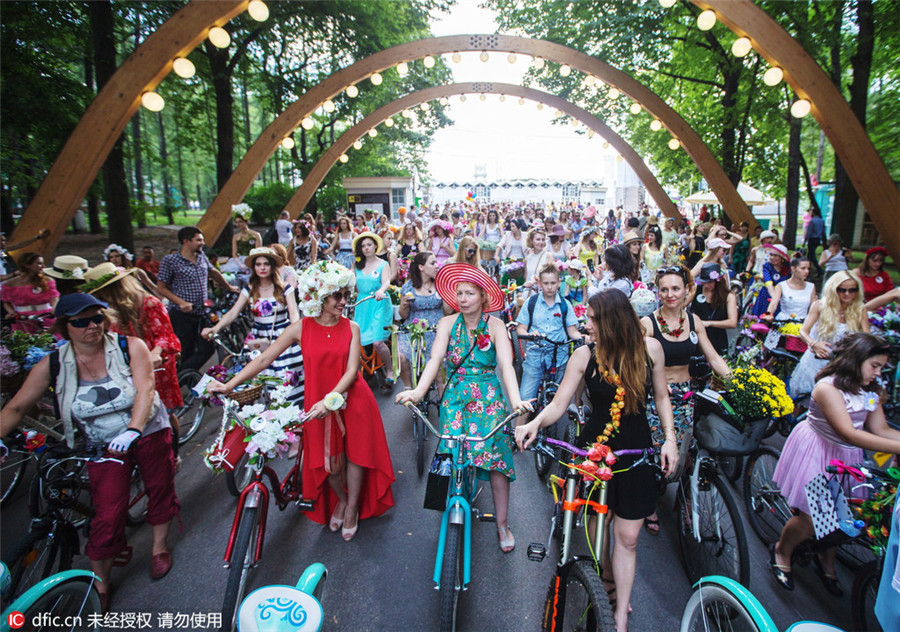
(15, 619)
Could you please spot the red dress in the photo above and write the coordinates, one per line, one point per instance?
(158, 333)
(325, 354)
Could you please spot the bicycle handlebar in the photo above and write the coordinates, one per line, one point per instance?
(462, 436)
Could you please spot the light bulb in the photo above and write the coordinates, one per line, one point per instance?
(328, 106)
(635, 108)
(352, 92)
(456, 57)
(153, 101)
(618, 158)
(573, 122)
(565, 70)
(183, 67)
(540, 106)
(389, 122)
(674, 144)
(307, 123)
(344, 158)
(538, 63)
(591, 133)
(773, 76)
(425, 106)
(428, 61)
(287, 142)
(373, 132)
(706, 20)
(258, 10)
(219, 37)
(511, 58)
(357, 144)
(800, 108)
(444, 101)
(666, 4)
(741, 47)
(613, 93)
(502, 98)
(484, 56)
(402, 69)
(483, 97)
(655, 125)
(605, 144)
(376, 79)
(521, 101)
(589, 80)
(407, 113)
(462, 98)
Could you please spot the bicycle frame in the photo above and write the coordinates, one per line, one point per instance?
(30, 596)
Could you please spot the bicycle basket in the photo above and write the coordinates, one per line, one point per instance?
(246, 395)
(720, 433)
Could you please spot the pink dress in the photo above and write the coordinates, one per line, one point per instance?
(30, 300)
(813, 443)
(439, 249)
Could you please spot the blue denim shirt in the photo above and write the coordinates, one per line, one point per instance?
(547, 321)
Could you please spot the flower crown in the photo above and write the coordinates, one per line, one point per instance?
(117, 248)
(243, 210)
(317, 282)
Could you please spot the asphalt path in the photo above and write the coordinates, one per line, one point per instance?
(382, 580)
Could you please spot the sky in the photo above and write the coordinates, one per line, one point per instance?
(510, 140)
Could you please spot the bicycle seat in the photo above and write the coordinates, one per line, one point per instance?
(279, 608)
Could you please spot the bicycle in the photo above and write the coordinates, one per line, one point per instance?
(371, 365)
(68, 596)
(417, 361)
(300, 605)
(23, 448)
(576, 598)
(453, 560)
(246, 539)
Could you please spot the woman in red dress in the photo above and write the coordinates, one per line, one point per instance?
(347, 467)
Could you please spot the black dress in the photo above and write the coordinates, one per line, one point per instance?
(704, 311)
(632, 494)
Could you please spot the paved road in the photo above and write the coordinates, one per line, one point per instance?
(382, 579)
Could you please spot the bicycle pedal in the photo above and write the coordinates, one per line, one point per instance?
(537, 552)
(487, 517)
(305, 504)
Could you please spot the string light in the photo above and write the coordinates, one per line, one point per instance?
(376, 79)
(328, 106)
(425, 106)
(591, 133)
(407, 113)
(344, 158)
(462, 98)
(307, 123)
(741, 47)
(674, 144)
(402, 69)
(613, 93)
(484, 56)
(483, 97)
(511, 58)
(538, 63)
(565, 70)
(540, 106)
(456, 57)
(655, 125)
(635, 108)
(444, 101)
(183, 67)
(773, 76)
(258, 10)
(357, 144)
(287, 142)
(521, 101)
(389, 122)
(153, 101)
(502, 98)
(352, 92)
(373, 132)
(706, 20)
(667, 4)
(800, 108)
(428, 60)
(219, 37)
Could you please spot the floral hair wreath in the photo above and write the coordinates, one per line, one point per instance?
(117, 248)
(319, 281)
(241, 210)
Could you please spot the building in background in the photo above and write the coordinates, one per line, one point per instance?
(380, 195)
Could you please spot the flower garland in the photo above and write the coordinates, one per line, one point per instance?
(115, 248)
(615, 409)
(664, 326)
(90, 286)
(317, 282)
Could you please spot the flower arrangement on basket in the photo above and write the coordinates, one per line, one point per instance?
(876, 513)
(515, 267)
(756, 394)
(418, 328)
(262, 430)
(393, 293)
(403, 269)
(885, 323)
(20, 351)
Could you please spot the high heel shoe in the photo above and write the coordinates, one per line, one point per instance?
(348, 533)
(506, 544)
(336, 523)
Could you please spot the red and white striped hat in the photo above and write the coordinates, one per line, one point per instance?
(452, 274)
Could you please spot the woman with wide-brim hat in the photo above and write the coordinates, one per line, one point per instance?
(472, 344)
(68, 271)
(274, 307)
(135, 312)
(440, 240)
(586, 249)
(347, 470)
(373, 311)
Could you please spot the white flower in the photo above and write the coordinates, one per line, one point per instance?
(77, 273)
(871, 400)
(333, 401)
(251, 410)
(264, 441)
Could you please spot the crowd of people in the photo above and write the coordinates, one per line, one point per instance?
(653, 293)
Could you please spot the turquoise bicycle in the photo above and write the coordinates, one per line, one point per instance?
(282, 608)
(453, 560)
(65, 601)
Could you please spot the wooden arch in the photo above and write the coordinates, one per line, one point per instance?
(314, 178)
(850, 141)
(218, 213)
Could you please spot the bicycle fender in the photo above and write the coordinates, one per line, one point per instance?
(27, 599)
(311, 577)
(760, 616)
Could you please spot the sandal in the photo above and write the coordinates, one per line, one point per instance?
(336, 523)
(506, 544)
(610, 586)
(651, 526)
(782, 573)
(831, 583)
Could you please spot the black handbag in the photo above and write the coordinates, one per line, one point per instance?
(438, 481)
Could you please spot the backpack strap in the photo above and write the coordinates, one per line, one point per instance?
(123, 345)
(532, 302)
(54, 373)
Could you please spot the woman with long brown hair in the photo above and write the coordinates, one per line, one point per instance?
(715, 305)
(30, 293)
(619, 368)
(468, 252)
(342, 242)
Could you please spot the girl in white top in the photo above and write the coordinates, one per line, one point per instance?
(794, 295)
(758, 256)
(536, 256)
(835, 257)
(512, 245)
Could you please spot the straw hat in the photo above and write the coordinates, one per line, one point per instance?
(67, 268)
(558, 230)
(451, 275)
(631, 236)
(379, 243)
(100, 276)
(263, 251)
(653, 220)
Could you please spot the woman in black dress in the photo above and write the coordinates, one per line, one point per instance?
(715, 305)
(619, 355)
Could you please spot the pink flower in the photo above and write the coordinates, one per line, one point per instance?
(604, 473)
(611, 459)
(483, 341)
(588, 468)
(476, 392)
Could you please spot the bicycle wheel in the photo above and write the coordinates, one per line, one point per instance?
(41, 553)
(238, 478)
(542, 462)
(716, 544)
(75, 597)
(730, 466)
(518, 356)
(714, 607)
(190, 415)
(65, 487)
(451, 577)
(578, 602)
(419, 432)
(862, 597)
(241, 558)
(12, 471)
(767, 509)
(855, 553)
(138, 502)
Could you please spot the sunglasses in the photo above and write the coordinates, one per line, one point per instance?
(342, 296)
(670, 270)
(470, 251)
(847, 290)
(81, 323)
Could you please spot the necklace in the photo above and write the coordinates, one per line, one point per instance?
(615, 409)
(90, 373)
(328, 326)
(664, 327)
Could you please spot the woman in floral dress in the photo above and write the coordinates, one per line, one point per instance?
(472, 344)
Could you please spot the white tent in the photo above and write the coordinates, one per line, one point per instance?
(751, 196)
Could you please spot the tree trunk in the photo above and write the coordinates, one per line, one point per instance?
(181, 186)
(245, 102)
(731, 81)
(116, 189)
(221, 81)
(163, 157)
(93, 208)
(792, 196)
(6, 215)
(138, 158)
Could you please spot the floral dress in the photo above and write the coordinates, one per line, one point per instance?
(473, 400)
